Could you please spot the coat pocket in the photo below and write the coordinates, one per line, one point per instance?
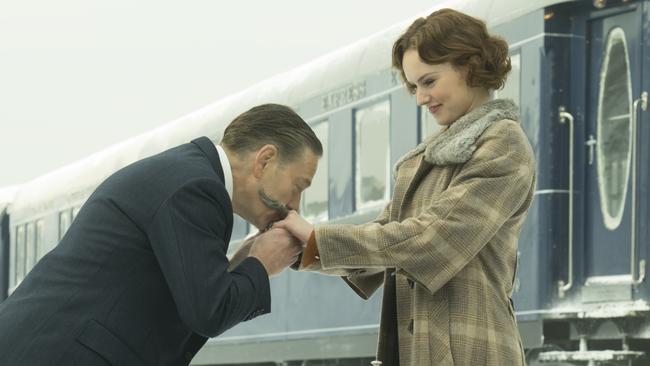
(106, 344)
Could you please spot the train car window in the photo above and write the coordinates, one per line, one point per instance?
(30, 247)
(39, 239)
(372, 176)
(20, 254)
(428, 124)
(511, 90)
(315, 198)
(614, 124)
(65, 219)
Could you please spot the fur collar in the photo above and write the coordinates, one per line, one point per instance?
(456, 144)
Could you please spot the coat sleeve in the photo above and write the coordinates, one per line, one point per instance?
(364, 281)
(434, 246)
(186, 236)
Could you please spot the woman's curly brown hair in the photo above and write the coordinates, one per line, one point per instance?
(450, 36)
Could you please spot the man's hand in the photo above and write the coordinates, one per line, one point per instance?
(276, 249)
(296, 225)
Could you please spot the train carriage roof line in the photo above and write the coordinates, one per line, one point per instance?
(365, 57)
(7, 195)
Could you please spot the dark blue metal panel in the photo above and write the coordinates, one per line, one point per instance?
(643, 204)
(608, 250)
(542, 248)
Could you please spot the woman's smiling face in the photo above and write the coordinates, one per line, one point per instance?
(441, 88)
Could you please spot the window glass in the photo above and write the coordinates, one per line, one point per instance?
(315, 198)
(372, 176)
(614, 124)
(428, 124)
(239, 227)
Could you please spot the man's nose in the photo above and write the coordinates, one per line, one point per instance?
(294, 204)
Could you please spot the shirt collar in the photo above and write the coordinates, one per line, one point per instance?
(227, 171)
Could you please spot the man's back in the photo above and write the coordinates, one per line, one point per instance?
(140, 277)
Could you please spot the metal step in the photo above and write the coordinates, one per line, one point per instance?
(586, 356)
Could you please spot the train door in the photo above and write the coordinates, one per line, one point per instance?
(614, 100)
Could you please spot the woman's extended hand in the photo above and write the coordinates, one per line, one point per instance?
(297, 226)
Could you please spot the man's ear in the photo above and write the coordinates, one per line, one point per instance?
(264, 156)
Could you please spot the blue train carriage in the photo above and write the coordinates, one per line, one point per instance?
(583, 295)
(584, 248)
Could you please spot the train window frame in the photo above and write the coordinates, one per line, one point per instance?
(30, 246)
(613, 219)
(40, 239)
(19, 259)
(63, 228)
(359, 204)
(323, 166)
(75, 212)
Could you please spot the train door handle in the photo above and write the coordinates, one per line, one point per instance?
(591, 144)
(563, 287)
(642, 102)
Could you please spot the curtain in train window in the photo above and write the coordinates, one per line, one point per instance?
(372, 178)
(614, 148)
(315, 198)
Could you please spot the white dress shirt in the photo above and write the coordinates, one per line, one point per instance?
(227, 171)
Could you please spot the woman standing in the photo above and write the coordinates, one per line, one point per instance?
(445, 247)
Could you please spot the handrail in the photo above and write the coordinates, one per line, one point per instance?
(564, 287)
(635, 117)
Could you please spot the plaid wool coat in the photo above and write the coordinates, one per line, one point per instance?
(445, 248)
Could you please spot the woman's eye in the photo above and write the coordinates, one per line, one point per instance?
(429, 82)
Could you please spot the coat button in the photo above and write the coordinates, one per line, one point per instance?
(410, 327)
(411, 283)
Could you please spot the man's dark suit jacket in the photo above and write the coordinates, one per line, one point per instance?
(140, 278)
